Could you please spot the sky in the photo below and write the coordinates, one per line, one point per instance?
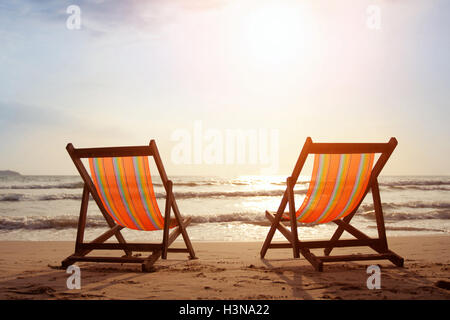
(197, 69)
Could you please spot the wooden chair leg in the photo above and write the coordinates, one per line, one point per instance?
(273, 226)
(176, 211)
(100, 239)
(315, 262)
(280, 227)
(293, 218)
(295, 173)
(167, 221)
(379, 246)
(379, 215)
(338, 233)
(82, 218)
(184, 234)
(117, 233)
(121, 239)
(147, 266)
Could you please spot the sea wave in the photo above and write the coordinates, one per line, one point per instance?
(258, 218)
(231, 194)
(402, 216)
(389, 206)
(80, 184)
(12, 197)
(15, 197)
(41, 223)
(420, 188)
(418, 184)
(390, 228)
(229, 217)
(162, 195)
(56, 182)
(68, 185)
(97, 221)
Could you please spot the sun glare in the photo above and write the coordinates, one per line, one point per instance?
(276, 34)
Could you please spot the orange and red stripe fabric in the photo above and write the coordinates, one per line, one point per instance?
(337, 186)
(125, 187)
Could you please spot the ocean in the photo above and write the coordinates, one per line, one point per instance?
(39, 208)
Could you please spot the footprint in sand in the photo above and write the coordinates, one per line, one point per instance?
(443, 284)
(36, 290)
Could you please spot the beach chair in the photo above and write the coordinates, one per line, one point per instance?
(121, 185)
(343, 174)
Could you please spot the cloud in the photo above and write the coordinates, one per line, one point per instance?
(15, 114)
(106, 17)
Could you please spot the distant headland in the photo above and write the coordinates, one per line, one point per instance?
(7, 173)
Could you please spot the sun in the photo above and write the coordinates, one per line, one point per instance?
(276, 34)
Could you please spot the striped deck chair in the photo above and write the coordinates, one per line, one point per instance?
(121, 185)
(343, 173)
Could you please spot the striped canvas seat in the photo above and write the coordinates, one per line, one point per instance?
(337, 186)
(125, 187)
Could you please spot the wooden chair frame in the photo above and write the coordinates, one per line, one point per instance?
(379, 245)
(158, 249)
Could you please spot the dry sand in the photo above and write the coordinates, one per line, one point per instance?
(227, 270)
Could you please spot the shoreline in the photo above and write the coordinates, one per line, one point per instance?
(227, 270)
(440, 234)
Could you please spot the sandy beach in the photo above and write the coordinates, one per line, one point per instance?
(226, 270)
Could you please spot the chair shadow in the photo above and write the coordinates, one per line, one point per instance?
(295, 282)
(349, 281)
(95, 277)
